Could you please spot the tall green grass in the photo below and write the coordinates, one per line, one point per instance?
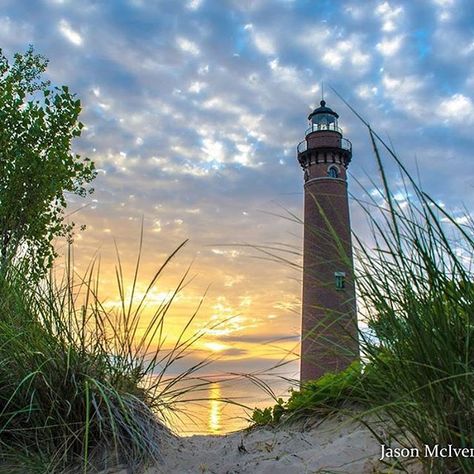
(415, 291)
(84, 387)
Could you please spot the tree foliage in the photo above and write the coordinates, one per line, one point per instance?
(37, 168)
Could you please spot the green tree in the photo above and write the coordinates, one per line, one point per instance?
(37, 168)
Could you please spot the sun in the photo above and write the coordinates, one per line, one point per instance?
(215, 346)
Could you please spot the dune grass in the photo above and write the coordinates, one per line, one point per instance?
(416, 304)
(84, 387)
(417, 290)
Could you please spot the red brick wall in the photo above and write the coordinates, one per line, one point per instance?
(329, 324)
(323, 138)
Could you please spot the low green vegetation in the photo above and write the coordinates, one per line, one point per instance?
(83, 386)
(332, 392)
(416, 299)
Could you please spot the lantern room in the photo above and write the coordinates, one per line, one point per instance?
(323, 118)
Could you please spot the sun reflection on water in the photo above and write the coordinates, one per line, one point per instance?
(215, 422)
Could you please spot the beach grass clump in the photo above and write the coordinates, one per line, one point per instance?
(416, 294)
(415, 287)
(83, 386)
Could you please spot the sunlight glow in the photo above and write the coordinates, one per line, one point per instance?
(215, 346)
(215, 408)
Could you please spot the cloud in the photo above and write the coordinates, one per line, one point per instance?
(194, 4)
(187, 46)
(406, 93)
(444, 3)
(458, 108)
(196, 87)
(71, 35)
(366, 91)
(259, 339)
(390, 46)
(262, 41)
(390, 16)
(213, 151)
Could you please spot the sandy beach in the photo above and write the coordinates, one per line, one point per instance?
(336, 445)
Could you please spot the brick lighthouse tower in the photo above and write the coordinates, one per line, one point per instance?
(329, 322)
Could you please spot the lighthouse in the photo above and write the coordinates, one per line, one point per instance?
(329, 321)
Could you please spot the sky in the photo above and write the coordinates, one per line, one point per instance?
(193, 110)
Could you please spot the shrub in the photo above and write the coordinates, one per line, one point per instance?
(315, 398)
(38, 124)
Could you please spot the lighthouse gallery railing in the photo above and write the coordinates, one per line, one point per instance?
(345, 144)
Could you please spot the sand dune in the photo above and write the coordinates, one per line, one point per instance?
(336, 445)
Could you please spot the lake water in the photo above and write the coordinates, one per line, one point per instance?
(222, 406)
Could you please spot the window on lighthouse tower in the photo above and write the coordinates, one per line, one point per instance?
(333, 172)
(340, 278)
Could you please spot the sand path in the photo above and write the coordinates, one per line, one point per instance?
(336, 445)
